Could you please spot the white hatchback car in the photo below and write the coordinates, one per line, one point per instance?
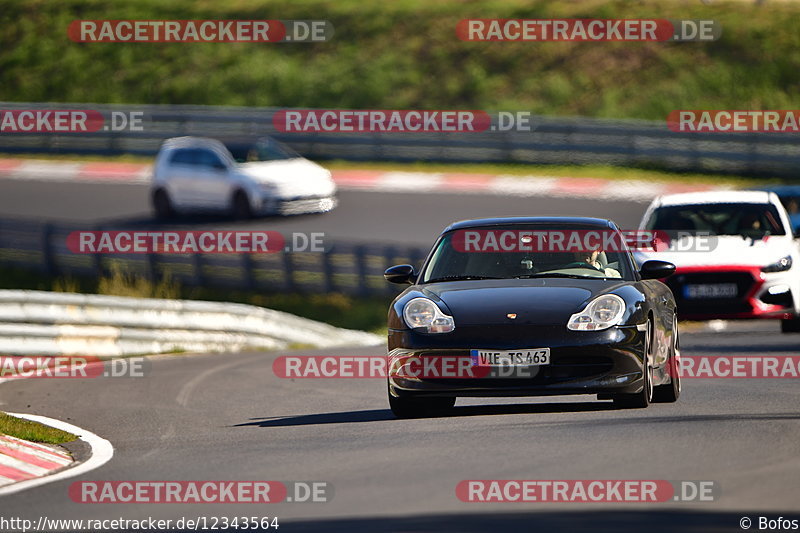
(735, 254)
(200, 174)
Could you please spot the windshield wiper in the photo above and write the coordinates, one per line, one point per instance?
(557, 275)
(459, 278)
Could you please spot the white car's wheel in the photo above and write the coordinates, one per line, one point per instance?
(240, 206)
(162, 205)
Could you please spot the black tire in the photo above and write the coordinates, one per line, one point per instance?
(240, 206)
(162, 205)
(640, 400)
(790, 325)
(670, 392)
(420, 407)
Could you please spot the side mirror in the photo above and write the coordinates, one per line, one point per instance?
(401, 274)
(655, 269)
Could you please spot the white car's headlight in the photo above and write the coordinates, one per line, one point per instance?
(601, 313)
(781, 265)
(423, 313)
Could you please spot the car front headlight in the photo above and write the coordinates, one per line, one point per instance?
(601, 313)
(781, 265)
(423, 313)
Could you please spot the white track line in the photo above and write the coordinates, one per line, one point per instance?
(102, 452)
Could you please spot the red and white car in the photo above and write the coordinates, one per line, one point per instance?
(735, 253)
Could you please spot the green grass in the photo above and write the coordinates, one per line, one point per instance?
(340, 310)
(405, 54)
(32, 431)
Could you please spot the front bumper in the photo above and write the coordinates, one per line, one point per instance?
(609, 361)
(297, 205)
(759, 294)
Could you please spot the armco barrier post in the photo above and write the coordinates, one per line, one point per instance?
(327, 270)
(47, 251)
(249, 274)
(360, 257)
(197, 263)
(288, 271)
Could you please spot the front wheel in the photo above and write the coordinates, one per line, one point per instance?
(670, 392)
(790, 325)
(420, 407)
(640, 400)
(162, 205)
(240, 206)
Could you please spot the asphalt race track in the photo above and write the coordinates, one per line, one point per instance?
(228, 417)
(361, 216)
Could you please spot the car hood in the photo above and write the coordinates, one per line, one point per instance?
(289, 174)
(548, 301)
(724, 250)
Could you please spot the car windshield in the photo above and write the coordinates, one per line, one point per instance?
(452, 261)
(748, 220)
(263, 150)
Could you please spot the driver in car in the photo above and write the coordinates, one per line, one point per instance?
(589, 259)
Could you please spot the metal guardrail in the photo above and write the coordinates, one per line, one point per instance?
(347, 268)
(554, 140)
(51, 323)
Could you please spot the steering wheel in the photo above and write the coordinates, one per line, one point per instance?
(581, 264)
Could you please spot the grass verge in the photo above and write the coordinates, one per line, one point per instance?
(32, 431)
(605, 172)
(406, 55)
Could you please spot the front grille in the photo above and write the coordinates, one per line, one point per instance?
(720, 305)
(561, 368)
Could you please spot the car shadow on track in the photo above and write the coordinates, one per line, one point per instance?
(378, 415)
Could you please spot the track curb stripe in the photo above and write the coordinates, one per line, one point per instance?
(376, 180)
(102, 452)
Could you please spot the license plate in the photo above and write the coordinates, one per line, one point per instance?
(711, 290)
(511, 358)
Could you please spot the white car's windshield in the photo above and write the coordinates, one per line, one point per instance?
(264, 150)
(747, 220)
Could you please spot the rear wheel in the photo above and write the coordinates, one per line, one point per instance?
(640, 400)
(670, 392)
(790, 325)
(420, 407)
(162, 205)
(240, 206)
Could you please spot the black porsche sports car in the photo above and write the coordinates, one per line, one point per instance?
(499, 310)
